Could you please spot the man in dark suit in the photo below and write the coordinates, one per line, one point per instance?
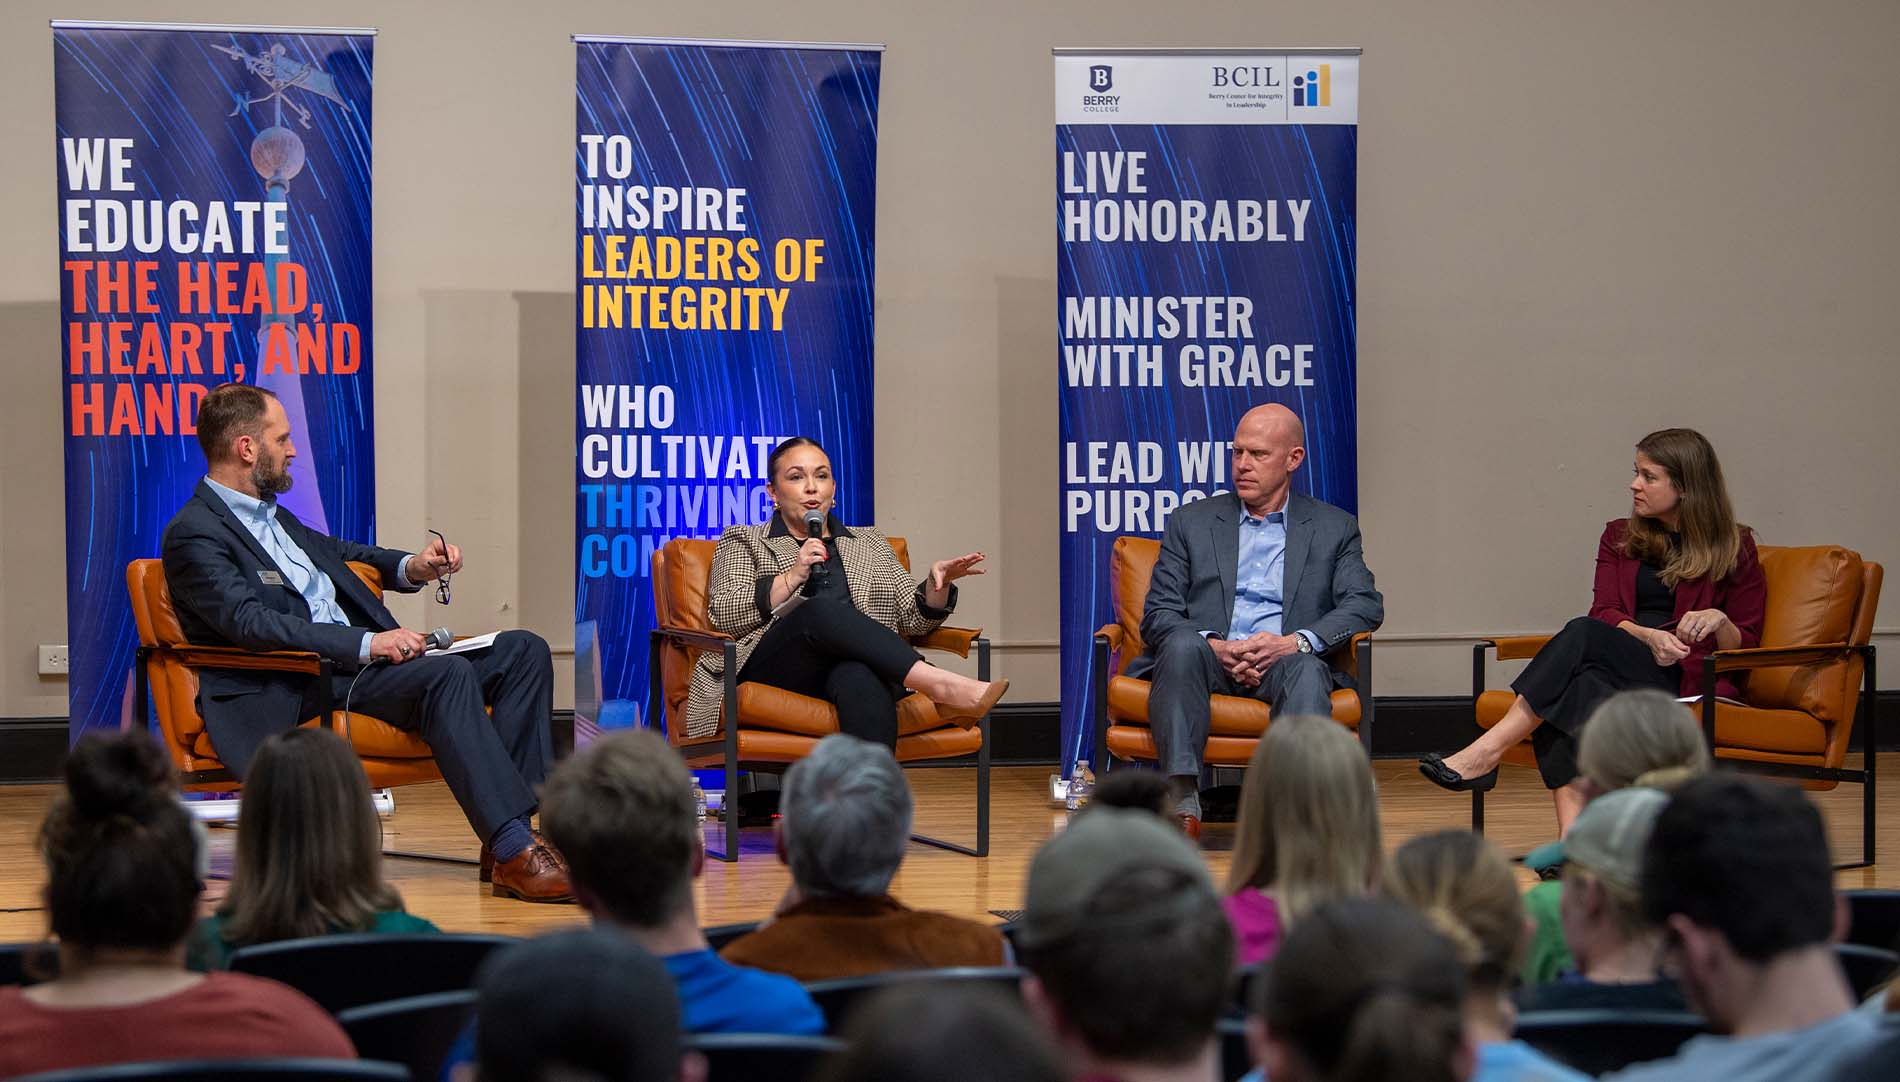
(1252, 590)
(244, 572)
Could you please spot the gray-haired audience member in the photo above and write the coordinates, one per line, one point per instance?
(844, 822)
(1739, 875)
(1128, 950)
(579, 1005)
(943, 1034)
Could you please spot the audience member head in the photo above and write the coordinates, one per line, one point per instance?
(1363, 990)
(121, 857)
(1127, 948)
(1738, 873)
(1136, 790)
(621, 812)
(920, 1034)
(1642, 737)
(845, 815)
(1602, 902)
(1465, 888)
(1690, 489)
(1308, 827)
(309, 847)
(579, 1005)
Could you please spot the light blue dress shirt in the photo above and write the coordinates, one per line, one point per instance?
(1260, 578)
(300, 572)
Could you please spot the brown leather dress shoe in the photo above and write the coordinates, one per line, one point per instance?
(487, 871)
(535, 875)
(1190, 825)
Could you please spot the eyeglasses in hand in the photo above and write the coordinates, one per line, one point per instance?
(442, 584)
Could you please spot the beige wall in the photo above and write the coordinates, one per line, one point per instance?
(1578, 222)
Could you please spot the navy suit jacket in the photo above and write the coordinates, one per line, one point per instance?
(1326, 589)
(217, 574)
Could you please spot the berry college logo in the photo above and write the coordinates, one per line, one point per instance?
(1101, 77)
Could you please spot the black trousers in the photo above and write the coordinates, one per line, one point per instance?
(492, 762)
(829, 650)
(1582, 665)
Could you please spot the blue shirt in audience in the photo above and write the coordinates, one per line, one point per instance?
(1515, 1061)
(719, 997)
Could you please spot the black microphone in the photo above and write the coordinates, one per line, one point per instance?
(815, 527)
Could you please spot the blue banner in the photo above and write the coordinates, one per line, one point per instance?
(725, 208)
(214, 227)
(1206, 221)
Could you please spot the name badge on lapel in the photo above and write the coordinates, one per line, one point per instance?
(270, 578)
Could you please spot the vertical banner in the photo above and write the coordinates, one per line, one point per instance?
(725, 208)
(214, 227)
(1205, 224)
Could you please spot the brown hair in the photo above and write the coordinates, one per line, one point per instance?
(621, 813)
(1364, 990)
(309, 846)
(121, 859)
(771, 460)
(1308, 825)
(1711, 538)
(230, 410)
(1464, 887)
(1641, 737)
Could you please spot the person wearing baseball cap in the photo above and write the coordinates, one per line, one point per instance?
(1617, 950)
(1128, 952)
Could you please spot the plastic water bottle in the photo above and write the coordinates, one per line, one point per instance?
(1081, 786)
(699, 800)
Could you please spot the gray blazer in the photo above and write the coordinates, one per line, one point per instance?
(1328, 589)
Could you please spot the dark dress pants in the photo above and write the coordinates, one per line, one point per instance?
(492, 762)
(830, 650)
(1582, 665)
(1186, 672)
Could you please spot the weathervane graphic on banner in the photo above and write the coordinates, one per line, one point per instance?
(278, 155)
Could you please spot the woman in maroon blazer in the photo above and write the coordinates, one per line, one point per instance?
(1675, 580)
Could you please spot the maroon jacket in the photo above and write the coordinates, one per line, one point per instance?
(1740, 595)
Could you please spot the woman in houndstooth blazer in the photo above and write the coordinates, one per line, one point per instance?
(827, 615)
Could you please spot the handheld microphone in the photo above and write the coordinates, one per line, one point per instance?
(815, 527)
(440, 639)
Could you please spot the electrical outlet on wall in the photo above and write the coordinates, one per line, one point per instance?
(54, 661)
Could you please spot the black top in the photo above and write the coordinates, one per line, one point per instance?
(1655, 603)
(1571, 992)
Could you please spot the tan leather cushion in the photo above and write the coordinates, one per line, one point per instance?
(679, 590)
(1130, 568)
(1812, 597)
(1232, 715)
(1790, 732)
(1134, 742)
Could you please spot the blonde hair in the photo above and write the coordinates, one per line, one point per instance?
(1465, 888)
(1308, 824)
(1641, 737)
(1711, 538)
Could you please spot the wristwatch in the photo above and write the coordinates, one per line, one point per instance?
(1306, 644)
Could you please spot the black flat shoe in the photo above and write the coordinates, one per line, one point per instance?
(1435, 771)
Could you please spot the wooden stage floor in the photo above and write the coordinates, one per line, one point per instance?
(1518, 816)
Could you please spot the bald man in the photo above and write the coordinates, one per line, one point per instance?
(1253, 590)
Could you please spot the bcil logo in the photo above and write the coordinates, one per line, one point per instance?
(1101, 77)
(1314, 88)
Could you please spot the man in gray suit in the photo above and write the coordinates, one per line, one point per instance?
(1252, 590)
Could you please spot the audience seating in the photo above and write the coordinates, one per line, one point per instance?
(1815, 664)
(837, 997)
(721, 934)
(344, 971)
(1867, 968)
(233, 1070)
(1873, 918)
(1121, 702)
(17, 959)
(417, 1032)
(1599, 1041)
(1244, 980)
(1235, 1058)
(765, 728)
(166, 678)
(762, 1057)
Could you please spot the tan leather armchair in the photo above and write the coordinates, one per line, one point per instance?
(1815, 664)
(763, 727)
(1121, 702)
(166, 678)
